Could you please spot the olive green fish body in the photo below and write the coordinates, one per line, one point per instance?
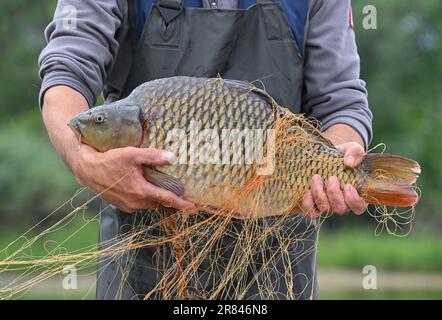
(236, 148)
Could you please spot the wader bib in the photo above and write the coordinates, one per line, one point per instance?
(256, 45)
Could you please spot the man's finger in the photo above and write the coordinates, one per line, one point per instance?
(319, 196)
(170, 200)
(151, 156)
(335, 196)
(308, 205)
(167, 199)
(353, 200)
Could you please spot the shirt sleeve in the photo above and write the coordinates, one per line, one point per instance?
(81, 45)
(334, 92)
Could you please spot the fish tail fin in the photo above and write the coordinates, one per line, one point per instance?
(390, 180)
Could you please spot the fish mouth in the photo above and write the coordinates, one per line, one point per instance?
(75, 126)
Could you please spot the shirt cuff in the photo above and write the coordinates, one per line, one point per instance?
(358, 125)
(66, 79)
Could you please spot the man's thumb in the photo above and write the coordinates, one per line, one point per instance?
(353, 154)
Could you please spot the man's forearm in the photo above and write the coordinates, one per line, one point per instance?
(342, 133)
(60, 104)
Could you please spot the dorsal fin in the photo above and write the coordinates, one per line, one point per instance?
(249, 87)
(309, 125)
(319, 137)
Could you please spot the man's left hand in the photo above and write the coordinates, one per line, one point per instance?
(327, 196)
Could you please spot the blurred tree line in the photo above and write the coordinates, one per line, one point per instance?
(401, 63)
(33, 180)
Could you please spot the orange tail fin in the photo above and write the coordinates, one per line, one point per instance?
(389, 180)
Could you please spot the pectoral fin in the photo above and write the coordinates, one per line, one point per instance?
(164, 181)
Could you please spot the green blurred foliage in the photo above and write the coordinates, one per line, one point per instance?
(21, 39)
(34, 181)
(412, 253)
(401, 63)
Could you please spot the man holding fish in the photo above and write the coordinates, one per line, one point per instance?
(303, 52)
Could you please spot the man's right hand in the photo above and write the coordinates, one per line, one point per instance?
(117, 174)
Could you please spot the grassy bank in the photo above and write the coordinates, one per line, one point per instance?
(355, 248)
(346, 248)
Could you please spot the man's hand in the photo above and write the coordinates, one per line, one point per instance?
(327, 196)
(118, 176)
(117, 173)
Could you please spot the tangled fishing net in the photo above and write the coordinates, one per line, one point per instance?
(204, 255)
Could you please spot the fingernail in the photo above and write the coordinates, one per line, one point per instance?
(169, 156)
(350, 161)
(354, 163)
(191, 206)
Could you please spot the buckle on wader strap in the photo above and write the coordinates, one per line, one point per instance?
(170, 9)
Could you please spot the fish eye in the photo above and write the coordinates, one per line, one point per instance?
(99, 118)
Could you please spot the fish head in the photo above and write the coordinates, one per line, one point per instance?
(115, 125)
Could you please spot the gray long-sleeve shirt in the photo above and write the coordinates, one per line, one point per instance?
(90, 54)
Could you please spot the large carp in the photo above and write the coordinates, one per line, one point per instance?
(236, 148)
